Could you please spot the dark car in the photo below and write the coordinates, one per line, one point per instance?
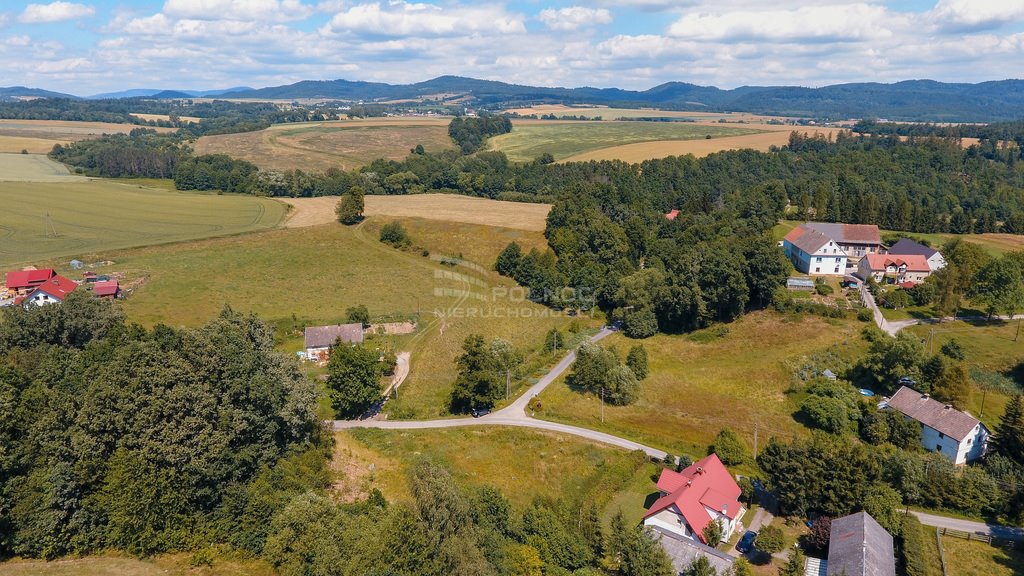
(746, 543)
(907, 381)
(478, 412)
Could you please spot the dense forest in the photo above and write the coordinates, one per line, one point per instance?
(470, 134)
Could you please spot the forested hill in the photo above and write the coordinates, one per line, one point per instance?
(921, 100)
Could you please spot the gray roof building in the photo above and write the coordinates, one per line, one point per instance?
(932, 413)
(859, 546)
(908, 246)
(327, 336)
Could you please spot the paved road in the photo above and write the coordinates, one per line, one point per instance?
(513, 415)
(1005, 532)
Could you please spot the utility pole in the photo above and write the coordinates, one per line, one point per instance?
(984, 394)
(602, 404)
(1017, 335)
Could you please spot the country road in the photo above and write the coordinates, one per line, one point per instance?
(1005, 532)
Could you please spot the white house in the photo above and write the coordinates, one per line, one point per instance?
(833, 249)
(906, 247)
(956, 435)
(51, 291)
(899, 269)
(702, 493)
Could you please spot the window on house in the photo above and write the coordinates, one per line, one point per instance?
(941, 435)
(819, 259)
(817, 269)
(938, 447)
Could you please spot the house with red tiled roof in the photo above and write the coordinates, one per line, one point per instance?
(701, 493)
(672, 214)
(52, 291)
(106, 289)
(24, 281)
(832, 249)
(894, 268)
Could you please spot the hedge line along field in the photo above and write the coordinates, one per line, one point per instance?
(55, 220)
(529, 139)
(345, 144)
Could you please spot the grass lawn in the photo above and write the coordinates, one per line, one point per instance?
(86, 218)
(562, 140)
(310, 276)
(523, 464)
(971, 557)
(315, 147)
(166, 565)
(702, 382)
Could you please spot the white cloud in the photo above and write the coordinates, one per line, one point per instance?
(975, 14)
(420, 19)
(237, 9)
(573, 17)
(836, 23)
(55, 12)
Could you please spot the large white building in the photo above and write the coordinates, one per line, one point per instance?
(955, 434)
(827, 249)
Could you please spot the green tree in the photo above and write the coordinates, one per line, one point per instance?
(713, 533)
(1008, 437)
(794, 565)
(478, 384)
(304, 538)
(637, 361)
(621, 386)
(554, 340)
(642, 556)
(883, 503)
(394, 233)
(730, 448)
(508, 261)
(506, 360)
(701, 566)
(954, 386)
(888, 359)
(741, 567)
(350, 208)
(770, 539)
(358, 314)
(828, 414)
(999, 286)
(353, 380)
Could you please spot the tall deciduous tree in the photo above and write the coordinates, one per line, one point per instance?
(353, 380)
(478, 384)
(350, 208)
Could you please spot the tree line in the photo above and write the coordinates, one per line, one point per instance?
(470, 133)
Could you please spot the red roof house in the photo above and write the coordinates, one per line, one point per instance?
(51, 291)
(672, 214)
(702, 493)
(26, 280)
(106, 289)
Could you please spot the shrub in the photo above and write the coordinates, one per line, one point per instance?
(394, 233)
(823, 289)
(914, 561)
(770, 539)
(828, 414)
(637, 361)
(731, 450)
(865, 315)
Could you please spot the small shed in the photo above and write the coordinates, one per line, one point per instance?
(320, 339)
(76, 264)
(89, 276)
(803, 284)
(829, 374)
(108, 289)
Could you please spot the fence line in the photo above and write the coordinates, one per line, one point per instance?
(942, 553)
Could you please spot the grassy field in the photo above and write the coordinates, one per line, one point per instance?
(762, 141)
(447, 207)
(315, 147)
(39, 136)
(50, 220)
(34, 168)
(607, 113)
(166, 565)
(32, 145)
(970, 557)
(702, 382)
(530, 139)
(523, 464)
(309, 276)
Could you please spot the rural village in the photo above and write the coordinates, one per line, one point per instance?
(746, 301)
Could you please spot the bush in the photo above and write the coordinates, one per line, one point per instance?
(823, 289)
(915, 563)
(825, 413)
(731, 450)
(770, 539)
(865, 315)
(394, 233)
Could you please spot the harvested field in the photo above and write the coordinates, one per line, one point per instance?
(46, 220)
(772, 135)
(563, 140)
(56, 128)
(34, 168)
(148, 117)
(607, 113)
(15, 144)
(345, 144)
(448, 207)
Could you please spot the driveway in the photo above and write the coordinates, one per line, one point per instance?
(1004, 532)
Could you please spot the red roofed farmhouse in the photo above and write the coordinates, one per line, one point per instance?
(898, 269)
(51, 291)
(24, 281)
(702, 493)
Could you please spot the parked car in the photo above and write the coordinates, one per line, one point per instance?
(907, 381)
(478, 412)
(746, 543)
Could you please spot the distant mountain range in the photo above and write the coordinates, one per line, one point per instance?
(918, 100)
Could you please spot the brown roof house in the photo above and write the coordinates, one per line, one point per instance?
(824, 248)
(320, 339)
(955, 434)
(859, 546)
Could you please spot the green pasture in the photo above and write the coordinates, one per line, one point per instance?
(527, 141)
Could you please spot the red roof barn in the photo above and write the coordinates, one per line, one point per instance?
(23, 280)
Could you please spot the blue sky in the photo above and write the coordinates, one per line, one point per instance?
(90, 46)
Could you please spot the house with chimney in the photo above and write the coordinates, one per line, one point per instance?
(830, 249)
(906, 247)
(953, 433)
(909, 269)
(701, 493)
